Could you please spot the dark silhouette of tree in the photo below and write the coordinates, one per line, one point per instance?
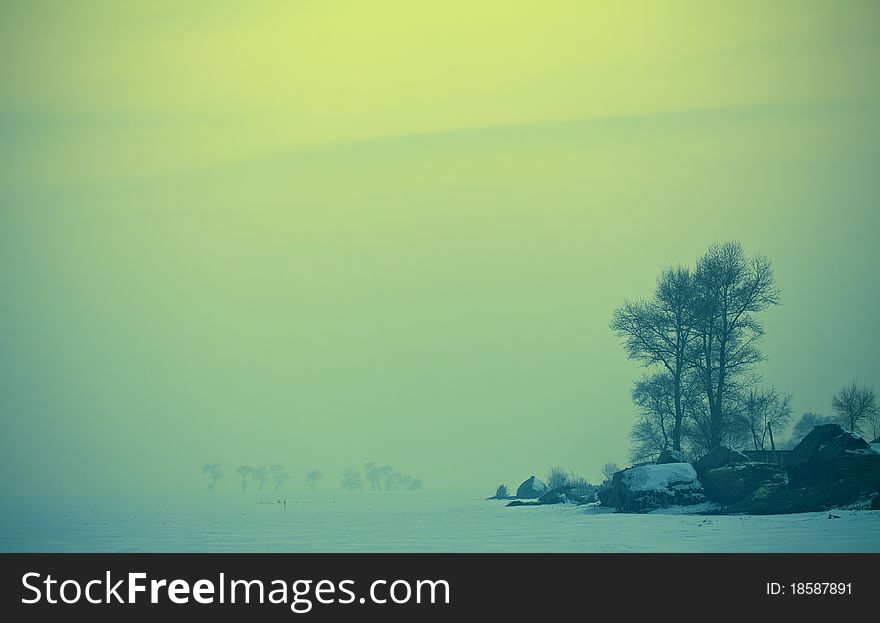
(385, 477)
(278, 475)
(659, 332)
(214, 472)
(313, 477)
(393, 479)
(763, 411)
(654, 396)
(502, 492)
(557, 477)
(854, 405)
(373, 476)
(261, 476)
(730, 289)
(351, 480)
(245, 472)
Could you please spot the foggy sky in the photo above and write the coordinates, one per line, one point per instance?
(223, 242)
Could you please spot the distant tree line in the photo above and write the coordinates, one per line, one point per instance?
(379, 477)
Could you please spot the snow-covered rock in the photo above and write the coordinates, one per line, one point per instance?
(646, 487)
(531, 489)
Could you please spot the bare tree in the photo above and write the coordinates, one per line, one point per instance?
(261, 476)
(762, 411)
(374, 477)
(313, 477)
(659, 332)
(415, 484)
(730, 289)
(652, 433)
(214, 472)
(854, 406)
(351, 479)
(245, 472)
(557, 477)
(278, 475)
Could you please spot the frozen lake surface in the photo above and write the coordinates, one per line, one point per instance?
(403, 522)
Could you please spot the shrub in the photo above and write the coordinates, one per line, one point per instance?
(557, 477)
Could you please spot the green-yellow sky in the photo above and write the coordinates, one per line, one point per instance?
(323, 233)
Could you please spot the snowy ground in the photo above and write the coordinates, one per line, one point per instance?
(408, 522)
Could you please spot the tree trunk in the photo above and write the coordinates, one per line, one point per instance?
(676, 429)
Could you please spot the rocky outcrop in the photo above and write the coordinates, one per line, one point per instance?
(531, 489)
(820, 497)
(605, 495)
(568, 494)
(720, 456)
(862, 468)
(813, 460)
(647, 487)
(671, 456)
(727, 485)
(830, 467)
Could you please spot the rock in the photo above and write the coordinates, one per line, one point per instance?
(720, 456)
(819, 497)
(531, 489)
(646, 487)
(671, 456)
(568, 494)
(840, 445)
(501, 493)
(813, 460)
(860, 467)
(521, 503)
(807, 449)
(730, 484)
(605, 495)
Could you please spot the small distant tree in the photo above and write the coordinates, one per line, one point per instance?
(854, 406)
(374, 477)
(214, 472)
(579, 481)
(414, 484)
(261, 476)
(245, 472)
(557, 477)
(608, 470)
(279, 476)
(501, 492)
(764, 411)
(313, 477)
(351, 480)
(389, 477)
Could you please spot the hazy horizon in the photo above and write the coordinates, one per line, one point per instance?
(225, 243)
